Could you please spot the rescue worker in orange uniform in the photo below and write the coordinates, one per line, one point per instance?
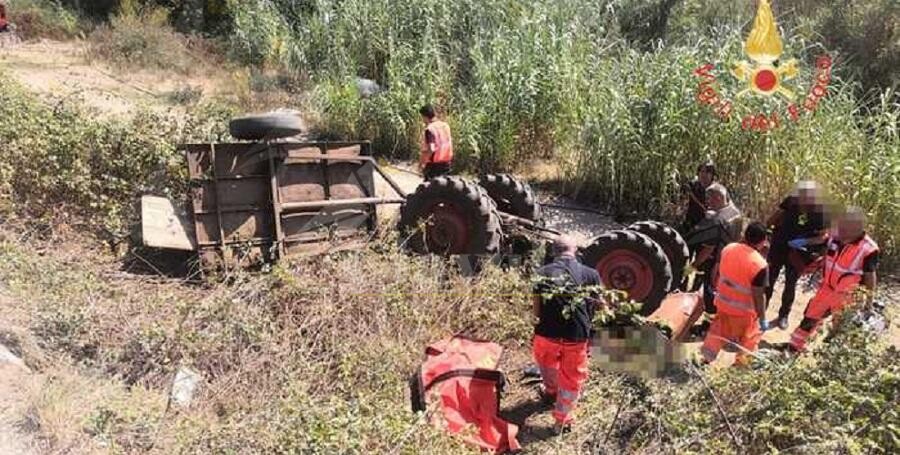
(850, 260)
(436, 158)
(4, 24)
(740, 297)
(564, 303)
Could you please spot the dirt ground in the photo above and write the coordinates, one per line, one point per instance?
(61, 70)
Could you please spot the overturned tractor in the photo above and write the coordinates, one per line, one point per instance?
(270, 196)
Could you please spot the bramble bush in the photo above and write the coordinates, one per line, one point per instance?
(59, 159)
(44, 19)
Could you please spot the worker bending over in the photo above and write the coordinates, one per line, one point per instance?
(850, 259)
(799, 224)
(740, 297)
(563, 306)
(721, 226)
(437, 145)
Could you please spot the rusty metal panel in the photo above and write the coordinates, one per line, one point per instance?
(247, 187)
(319, 224)
(231, 160)
(301, 183)
(250, 192)
(344, 180)
(237, 226)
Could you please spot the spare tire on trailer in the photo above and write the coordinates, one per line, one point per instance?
(273, 125)
(671, 242)
(631, 262)
(450, 215)
(512, 195)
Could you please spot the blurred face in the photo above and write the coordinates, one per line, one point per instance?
(715, 200)
(705, 177)
(850, 228)
(807, 197)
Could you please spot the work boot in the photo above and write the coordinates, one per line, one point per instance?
(547, 399)
(560, 428)
(699, 331)
(782, 323)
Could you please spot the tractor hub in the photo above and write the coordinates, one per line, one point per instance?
(627, 271)
(447, 231)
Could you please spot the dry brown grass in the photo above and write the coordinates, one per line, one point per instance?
(312, 357)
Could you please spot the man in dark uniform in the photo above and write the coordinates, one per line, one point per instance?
(799, 224)
(565, 298)
(695, 192)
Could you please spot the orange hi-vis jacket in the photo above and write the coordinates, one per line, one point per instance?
(738, 265)
(844, 264)
(443, 142)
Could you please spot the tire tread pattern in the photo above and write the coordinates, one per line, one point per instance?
(512, 196)
(485, 222)
(672, 243)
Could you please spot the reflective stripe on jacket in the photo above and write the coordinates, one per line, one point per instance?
(739, 264)
(443, 143)
(844, 263)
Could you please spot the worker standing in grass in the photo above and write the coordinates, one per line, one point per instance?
(564, 303)
(798, 224)
(722, 225)
(740, 297)
(850, 260)
(436, 158)
(695, 192)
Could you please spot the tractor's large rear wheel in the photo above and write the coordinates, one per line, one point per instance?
(513, 196)
(630, 261)
(671, 242)
(450, 215)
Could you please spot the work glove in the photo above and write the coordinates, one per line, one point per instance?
(798, 244)
(763, 324)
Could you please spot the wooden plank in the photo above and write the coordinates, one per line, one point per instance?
(164, 226)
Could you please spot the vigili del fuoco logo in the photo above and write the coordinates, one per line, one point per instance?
(765, 75)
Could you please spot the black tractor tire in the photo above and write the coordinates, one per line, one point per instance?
(631, 262)
(259, 127)
(450, 216)
(672, 243)
(513, 196)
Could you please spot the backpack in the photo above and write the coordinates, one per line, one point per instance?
(460, 378)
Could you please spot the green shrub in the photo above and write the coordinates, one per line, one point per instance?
(59, 160)
(143, 40)
(44, 19)
(605, 89)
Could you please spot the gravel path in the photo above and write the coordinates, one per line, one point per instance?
(581, 221)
